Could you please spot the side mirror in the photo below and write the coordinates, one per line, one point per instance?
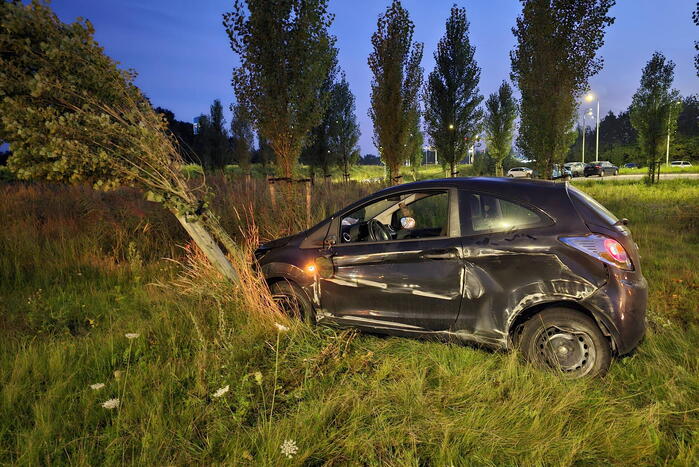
(407, 222)
(330, 240)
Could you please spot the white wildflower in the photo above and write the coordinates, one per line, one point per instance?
(222, 391)
(289, 448)
(97, 386)
(131, 335)
(281, 327)
(111, 404)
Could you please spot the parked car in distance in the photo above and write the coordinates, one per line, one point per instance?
(561, 173)
(680, 164)
(631, 165)
(497, 262)
(577, 169)
(601, 168)
(520, 172)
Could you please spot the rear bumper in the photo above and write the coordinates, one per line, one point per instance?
(621, 306)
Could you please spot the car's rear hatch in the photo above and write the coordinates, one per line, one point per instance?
(602, 221)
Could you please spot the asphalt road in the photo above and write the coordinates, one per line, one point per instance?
(639, 176)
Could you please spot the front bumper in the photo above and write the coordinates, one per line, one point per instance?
(621, 306)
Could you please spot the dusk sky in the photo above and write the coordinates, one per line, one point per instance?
(181, 52)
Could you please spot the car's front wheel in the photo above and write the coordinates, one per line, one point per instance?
(566, 340)
(292, 300)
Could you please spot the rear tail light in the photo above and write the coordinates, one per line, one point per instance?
(602, 248)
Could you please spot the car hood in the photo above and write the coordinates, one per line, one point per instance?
(280, 242)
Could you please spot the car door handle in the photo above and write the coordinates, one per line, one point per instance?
(439, 254)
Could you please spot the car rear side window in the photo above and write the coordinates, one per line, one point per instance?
(592, 203)
(491, 214)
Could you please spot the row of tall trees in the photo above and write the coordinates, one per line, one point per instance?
(451, 98)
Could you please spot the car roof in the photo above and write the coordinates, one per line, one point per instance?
(505, 186)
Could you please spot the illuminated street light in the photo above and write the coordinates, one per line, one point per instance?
(451, 126)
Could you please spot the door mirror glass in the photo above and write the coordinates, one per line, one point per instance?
(407, 222)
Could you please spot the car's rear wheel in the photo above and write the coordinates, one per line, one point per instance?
(566, 340)
(616, 172)
(292, 300)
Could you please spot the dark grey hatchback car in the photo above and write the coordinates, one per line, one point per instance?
(493, 261)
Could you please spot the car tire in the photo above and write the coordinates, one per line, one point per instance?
(566, 340)
(601, 173)
(616, 172)
(292, 300)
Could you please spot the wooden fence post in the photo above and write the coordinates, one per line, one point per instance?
(213, 252)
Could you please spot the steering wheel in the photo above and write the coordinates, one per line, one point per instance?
(377, 231)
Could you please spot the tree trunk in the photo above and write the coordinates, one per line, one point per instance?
(308, 205)
(206, 243)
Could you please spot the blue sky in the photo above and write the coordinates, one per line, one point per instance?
(181, 52)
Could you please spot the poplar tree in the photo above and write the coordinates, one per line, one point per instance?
(452, 114)
(501, 112)
(555, 55)
(344, 129)
(652, 108)
(397, 79)
(286, 52)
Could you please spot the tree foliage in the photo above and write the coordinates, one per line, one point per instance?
(654, 110)
(452, 99)
(557, 43)
(501, 112)
(397, 79)
(286, 53)
(695, 18)
(182, 131)
(413, 148)
(318, 153)
(344, 129)
(71, 115)
(211, 143)
(243, 137)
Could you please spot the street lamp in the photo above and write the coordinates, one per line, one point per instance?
(589, 98)
(584, 130)
(667, 153)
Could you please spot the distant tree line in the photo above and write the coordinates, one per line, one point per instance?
(294, 104)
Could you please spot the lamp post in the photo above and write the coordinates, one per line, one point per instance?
(589, 98)
(584, 130)
(667, 153)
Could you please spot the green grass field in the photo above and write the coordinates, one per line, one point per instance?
(80, 269)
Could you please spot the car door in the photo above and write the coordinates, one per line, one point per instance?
(505, 252)
(412, 281)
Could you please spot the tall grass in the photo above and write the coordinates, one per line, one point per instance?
(80, 269)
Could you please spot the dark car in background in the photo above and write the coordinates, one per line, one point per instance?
(498, 262)
(577, 169)
(631, 165)
(601, 168)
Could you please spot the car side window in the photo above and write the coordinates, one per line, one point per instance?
(405, 216)
(491, 214)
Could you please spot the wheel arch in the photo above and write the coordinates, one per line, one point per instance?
(526, 314)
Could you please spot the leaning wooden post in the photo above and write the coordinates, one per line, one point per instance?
(206, 243)
(308, 202)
